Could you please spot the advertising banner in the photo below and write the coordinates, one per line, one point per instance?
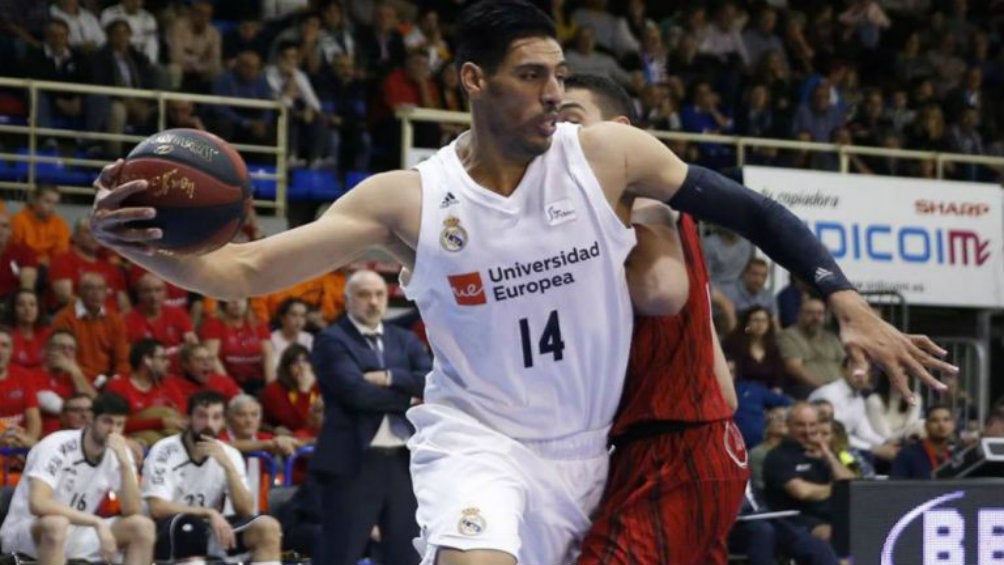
(938, 243)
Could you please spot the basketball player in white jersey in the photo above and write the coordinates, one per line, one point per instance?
(188, 478)
(515, 236)
(66, 477)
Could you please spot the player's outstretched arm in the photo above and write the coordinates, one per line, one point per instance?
(369, 215)
(628, 159)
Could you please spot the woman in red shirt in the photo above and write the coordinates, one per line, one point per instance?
(28, 330)
(288, 400)
(241, 345)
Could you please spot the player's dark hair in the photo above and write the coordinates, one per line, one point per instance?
(612, 99)
(486, 29)
(142, 348)
(110, 403)
(284, 373)
(205, 398)
(285, 306)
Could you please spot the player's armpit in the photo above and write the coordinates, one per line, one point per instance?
(656, 272)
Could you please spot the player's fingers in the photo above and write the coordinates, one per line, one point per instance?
(859, 362)
(112, 218)
(115, 197)
(106, 178)
(927, 344)
(897, 376)
(922, 360)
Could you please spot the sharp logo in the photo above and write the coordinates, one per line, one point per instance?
(944, 533)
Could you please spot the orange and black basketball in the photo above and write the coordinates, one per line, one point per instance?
(198, 184)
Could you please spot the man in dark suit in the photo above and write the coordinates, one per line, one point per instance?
(57, 61)
(118, 63)
(370, 373)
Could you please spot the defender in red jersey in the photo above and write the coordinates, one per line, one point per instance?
(679, 470)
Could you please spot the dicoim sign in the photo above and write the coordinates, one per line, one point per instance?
(938, 243)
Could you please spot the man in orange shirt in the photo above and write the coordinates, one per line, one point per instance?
(84, 256)
(102, 348)
(39, 227)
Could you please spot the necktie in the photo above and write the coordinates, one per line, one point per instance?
(376, 346)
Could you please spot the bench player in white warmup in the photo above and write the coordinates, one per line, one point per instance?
(66, 477)
(515, 237)
(187, 480)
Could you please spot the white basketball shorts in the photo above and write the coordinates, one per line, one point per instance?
(479, 489)
(81, 541)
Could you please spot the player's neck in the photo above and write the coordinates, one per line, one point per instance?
(489, 164)
(92, 451)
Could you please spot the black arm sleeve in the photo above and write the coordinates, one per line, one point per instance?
(715, 198)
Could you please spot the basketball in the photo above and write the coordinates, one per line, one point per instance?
(198, 184)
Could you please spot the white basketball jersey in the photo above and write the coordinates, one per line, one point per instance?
(58, 460)
(170, 474)
(524, 297)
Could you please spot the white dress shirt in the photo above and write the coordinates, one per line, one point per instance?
(849, 409)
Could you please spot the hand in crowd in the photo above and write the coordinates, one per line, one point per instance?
(284, 445)
(119, 446)
(886, 451)
(212, 448)
(109, 548)
(15, 436)
(379, 378)
(222, 530)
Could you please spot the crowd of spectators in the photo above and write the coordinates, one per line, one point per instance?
(923, 74)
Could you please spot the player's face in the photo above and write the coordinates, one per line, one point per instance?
(105, 425)
(246, 421)
(367, 300)
(940, 425)
(207, 420)
(579, 107)
(519, 102)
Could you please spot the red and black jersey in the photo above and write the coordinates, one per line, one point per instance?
(671, 370)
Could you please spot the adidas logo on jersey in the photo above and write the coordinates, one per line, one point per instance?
(822, 274)
(448, 200)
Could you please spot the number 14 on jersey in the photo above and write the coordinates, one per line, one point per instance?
(549, 342)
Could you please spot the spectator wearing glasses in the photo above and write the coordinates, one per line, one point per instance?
(77, 413)
(154, 412)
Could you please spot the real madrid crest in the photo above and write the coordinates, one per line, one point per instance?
(454, 236)
(471, 523)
